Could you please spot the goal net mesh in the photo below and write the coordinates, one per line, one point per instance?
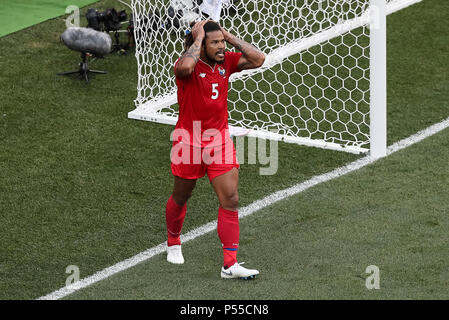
(314, 85)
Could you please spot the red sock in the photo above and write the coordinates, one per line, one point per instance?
(228, 232)
(174, 216)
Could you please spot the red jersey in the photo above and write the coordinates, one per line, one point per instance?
(203, 101)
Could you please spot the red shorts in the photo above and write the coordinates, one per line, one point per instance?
(189, 162)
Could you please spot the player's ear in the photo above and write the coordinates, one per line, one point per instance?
(203, 44)
(203, 48)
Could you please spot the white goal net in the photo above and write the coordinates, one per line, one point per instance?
(314, 87)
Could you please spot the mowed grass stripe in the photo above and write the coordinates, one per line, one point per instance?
(246, 211)
(317, 244)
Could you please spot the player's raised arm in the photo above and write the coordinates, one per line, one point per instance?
(190, 57)
(251, 56)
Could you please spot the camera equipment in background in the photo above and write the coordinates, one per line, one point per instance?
(88, 42)
(183, 12)
(109, 21)
(157, 22)
(177, 16)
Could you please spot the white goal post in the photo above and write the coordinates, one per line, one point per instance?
(323, 82)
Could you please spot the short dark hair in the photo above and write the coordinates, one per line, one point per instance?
(209, 26)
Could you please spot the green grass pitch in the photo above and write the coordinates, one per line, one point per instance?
(80, 184)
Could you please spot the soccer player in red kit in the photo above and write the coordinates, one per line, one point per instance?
(202, 144)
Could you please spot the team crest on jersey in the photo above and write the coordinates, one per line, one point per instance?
(221, 71)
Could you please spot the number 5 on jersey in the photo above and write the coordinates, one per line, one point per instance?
(214, 91)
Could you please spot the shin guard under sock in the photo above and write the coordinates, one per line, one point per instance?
(228, 232)
(174, 217)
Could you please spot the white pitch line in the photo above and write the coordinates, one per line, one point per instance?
(243, 212)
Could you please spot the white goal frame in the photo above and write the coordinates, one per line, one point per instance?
(375, 17)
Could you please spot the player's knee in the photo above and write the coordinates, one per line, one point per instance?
(181, 198)
(231, 202)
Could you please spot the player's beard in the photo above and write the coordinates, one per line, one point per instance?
(213, 60)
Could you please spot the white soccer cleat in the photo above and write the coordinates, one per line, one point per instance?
(174, 254)
(237, 271)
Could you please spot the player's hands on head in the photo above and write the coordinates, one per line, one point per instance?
(226, 34)
(198, 30)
